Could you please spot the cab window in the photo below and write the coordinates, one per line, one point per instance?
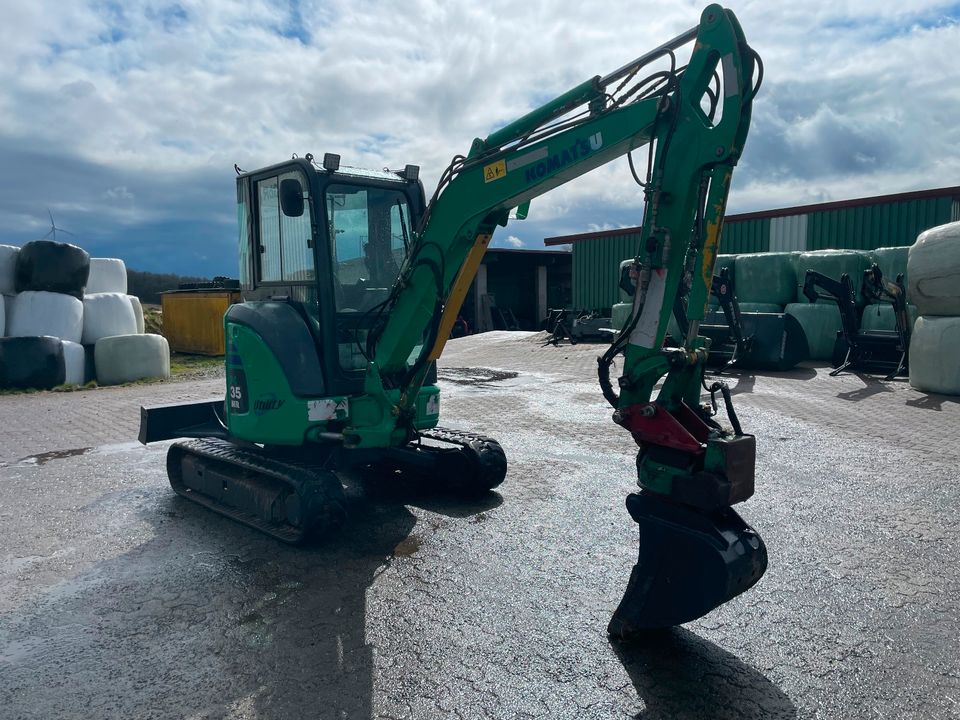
(286, 243)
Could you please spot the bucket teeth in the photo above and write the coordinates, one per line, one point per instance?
(690, 562)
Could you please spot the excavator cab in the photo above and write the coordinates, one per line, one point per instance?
(322, 246)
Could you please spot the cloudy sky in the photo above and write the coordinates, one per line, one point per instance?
(124, 119)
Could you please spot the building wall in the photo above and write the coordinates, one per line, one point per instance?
(596, 268)
(745, 237)
(872, 226)
(787, 233)
(861, 227)
(865, 224)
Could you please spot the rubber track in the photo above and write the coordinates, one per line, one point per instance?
(319, 489)
(487, 456)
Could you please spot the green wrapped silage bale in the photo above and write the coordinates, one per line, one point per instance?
(766, 278)
(892, 262)
(760, 308)
(619, 314)
(833, 264)
(880, 317)
(934, 271)
(934, 353)
(820, 324)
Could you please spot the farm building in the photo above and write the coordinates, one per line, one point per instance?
(861, 224)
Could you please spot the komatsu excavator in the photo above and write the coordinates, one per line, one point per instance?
(352, 282)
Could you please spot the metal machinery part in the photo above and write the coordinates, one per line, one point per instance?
(752, 340)
(879, 351)
(331, 360)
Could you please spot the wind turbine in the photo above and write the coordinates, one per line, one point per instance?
(54, 228)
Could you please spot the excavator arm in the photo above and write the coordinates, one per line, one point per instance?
(695, 118)
(695, 551)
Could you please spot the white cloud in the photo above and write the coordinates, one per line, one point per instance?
(155, 101)
(513, 241)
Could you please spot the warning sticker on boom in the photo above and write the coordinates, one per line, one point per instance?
(494, 171)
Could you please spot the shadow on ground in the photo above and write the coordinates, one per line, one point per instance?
(932, 401)
(871, 386)
(210, 619)
(679, 676)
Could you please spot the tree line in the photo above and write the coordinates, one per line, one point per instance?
(147, 285)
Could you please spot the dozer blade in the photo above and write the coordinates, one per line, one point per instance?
(690, 563)
(775, 341)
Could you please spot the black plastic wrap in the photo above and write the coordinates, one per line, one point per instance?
(31, 362)
(54, 267)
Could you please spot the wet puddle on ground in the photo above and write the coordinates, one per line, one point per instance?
(44, 458)
(473, 376)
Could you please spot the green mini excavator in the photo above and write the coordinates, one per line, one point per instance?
(352, 282)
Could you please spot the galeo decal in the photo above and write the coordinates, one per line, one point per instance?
(558, 160)
(265, 403)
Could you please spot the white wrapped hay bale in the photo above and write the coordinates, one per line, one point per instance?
(36, 312)
(31, 363)
(820, 323)
(125, 358)
(137, 312)
(933, 271)
(8, 269)
(107, 275)
(74, 363)
(935, 355)
(106, 315)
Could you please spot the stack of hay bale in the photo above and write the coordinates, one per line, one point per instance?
(933, 276)
(68, 320)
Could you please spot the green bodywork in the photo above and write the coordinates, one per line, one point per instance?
(274, 415)
(685, 200)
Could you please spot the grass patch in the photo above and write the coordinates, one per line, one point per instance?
(73, 388)
(153, 319)
(181, 363)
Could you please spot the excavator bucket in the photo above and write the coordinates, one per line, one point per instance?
(690, 563)
(771, 341)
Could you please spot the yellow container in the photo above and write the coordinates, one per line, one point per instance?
(193, 319)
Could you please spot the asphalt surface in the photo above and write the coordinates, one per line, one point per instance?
(119, 599)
